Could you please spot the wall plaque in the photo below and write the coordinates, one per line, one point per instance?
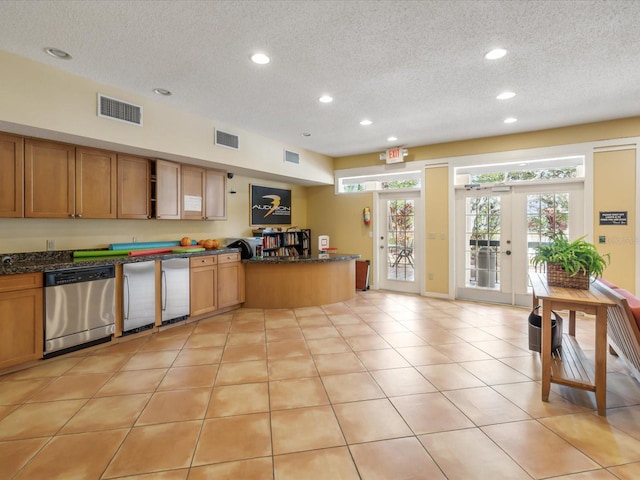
(613, 218)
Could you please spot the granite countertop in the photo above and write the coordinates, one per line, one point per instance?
(319, 258)
(56, 260)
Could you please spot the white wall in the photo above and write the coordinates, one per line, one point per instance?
(42, 101)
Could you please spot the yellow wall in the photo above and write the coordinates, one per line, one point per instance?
(340, 217)
(30, 235)
(615, 191)
(436, 189)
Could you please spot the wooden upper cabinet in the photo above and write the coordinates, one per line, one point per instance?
(96, 178)
(203, 193)
(49, 179)
(192, 206)
(12, 178)
(215, 195)
(167, 193)
(134, 187)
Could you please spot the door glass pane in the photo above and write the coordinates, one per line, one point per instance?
(547, 214)
(400, 235)
(482, 242)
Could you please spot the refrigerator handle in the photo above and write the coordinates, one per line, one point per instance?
(127, 297)
(164, 290)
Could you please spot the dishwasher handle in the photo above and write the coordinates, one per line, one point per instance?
(127, 297)
(164, 290)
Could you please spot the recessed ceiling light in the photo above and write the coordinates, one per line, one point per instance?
(495, 54)
(305, 134)
(162, 91)
(57, 53)
(392, 139)
(366, 122)
(506, 95)
(510, 120)
(325, 99)
(260, 58)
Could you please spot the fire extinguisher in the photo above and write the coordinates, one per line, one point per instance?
(366, 216)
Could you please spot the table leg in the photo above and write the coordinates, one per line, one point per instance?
(572, 323)
(601, 360)
(545, 350)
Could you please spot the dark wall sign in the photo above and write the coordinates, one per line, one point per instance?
(613, 218)
(270, 206)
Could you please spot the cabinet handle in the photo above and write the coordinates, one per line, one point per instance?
(79, 215)
(72, 215)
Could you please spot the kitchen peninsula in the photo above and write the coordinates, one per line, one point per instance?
(300, 281)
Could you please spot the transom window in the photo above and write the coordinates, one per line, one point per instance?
(379, 182)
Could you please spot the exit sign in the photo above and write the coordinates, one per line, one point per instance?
(394, 155)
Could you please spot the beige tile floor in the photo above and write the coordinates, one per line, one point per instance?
(386, 386)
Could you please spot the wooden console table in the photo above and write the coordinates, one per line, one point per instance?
(572, 368)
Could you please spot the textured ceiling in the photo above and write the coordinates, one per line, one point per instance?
(415, 68)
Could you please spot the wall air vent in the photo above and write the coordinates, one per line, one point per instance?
(291, 157)
(229, 140)
(118, 110)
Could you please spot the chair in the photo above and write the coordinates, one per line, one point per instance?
(623, 329)
(405, 252)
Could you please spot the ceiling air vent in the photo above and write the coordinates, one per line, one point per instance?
(228, 140)
(118, 110)
(291, 157)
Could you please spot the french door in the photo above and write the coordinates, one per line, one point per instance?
(398, 238)
(498, 231)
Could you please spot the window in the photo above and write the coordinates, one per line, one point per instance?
(547, 170)
(379, 182)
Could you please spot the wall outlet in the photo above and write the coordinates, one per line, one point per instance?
(133, 240)
(51, 245)
(430, 276)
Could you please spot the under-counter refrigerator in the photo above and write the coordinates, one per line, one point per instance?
(175, 289)
(138, 296)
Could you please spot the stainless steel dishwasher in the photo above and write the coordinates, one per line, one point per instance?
(139, 296)
(175, 289)
(79, 308)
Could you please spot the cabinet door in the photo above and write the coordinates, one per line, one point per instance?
(203, 284)
(49, 179)
(193, 192)
(21, 318)
(12, 178)
(230, 284)
(134, 187)
(216, 195)
(167, 190)
(96, 173)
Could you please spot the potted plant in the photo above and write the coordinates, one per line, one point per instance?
(570, 263)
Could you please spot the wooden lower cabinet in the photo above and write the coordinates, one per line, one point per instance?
(203, 284)
(217, 282)
(230, 280)
(21, 318)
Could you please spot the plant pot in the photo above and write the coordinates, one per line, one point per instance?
(557, 277)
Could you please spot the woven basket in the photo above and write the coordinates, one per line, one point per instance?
(557, 277)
